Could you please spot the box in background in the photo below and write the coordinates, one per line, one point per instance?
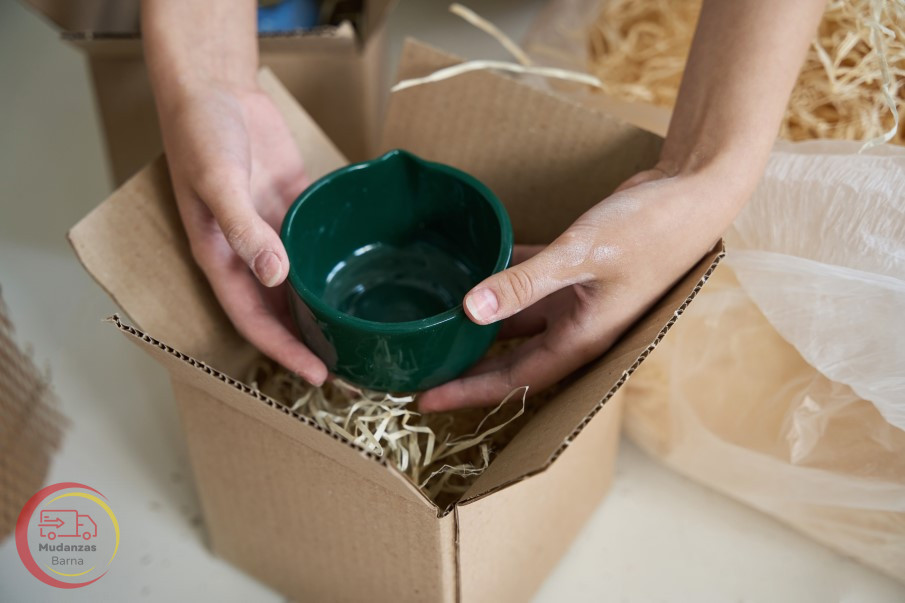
(337, 73)
(31, 424)
(314, 516)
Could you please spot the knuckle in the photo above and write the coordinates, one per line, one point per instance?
(238, 233)
(576, 244)
(510, 378)
(519, 286)
(575, 235)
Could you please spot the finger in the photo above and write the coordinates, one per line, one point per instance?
(242, 300)
(539, 363)
(503, 294)
(247, 233)
(529, 321)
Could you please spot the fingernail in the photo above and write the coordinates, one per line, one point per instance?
(482, 304)
(267, 267)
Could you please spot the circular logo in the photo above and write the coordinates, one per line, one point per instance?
(67, 535)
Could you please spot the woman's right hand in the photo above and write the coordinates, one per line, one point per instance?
(234, 165)
(235, 170)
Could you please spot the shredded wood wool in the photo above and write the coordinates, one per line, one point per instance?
(850, 87)
(442, 453)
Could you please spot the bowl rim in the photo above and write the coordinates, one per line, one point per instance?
(504, 255)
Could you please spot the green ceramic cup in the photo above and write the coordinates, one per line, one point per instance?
(381, 254)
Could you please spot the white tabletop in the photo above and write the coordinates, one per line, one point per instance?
(657, 536)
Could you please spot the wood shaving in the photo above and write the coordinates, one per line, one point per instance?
(492, 30)
(479, 65)
(523, 67)
(441, 453)
(849, 88)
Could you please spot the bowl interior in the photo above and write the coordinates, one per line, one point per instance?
(395, 240)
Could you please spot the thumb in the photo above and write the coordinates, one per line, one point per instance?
(510, 291)
(249, 235)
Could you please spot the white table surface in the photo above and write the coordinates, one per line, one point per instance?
(657, 536)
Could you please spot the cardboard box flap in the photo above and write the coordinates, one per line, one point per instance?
(134, 245)
(375, 14)
(539, 443)
(260, 407)
(549, 159)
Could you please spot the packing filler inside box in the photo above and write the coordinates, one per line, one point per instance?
(336, 73)
(315, 517)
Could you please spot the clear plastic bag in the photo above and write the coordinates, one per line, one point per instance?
(822, 254)
(784, 384)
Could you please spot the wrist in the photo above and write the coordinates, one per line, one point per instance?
(174, 96)
(196, 46)
(736, 170)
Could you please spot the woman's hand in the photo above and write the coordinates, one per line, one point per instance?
(576, 296)
(235, 171)
(585, 289)
(234, 166)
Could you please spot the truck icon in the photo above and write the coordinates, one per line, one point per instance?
(66, 523)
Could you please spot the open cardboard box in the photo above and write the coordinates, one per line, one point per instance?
(318, 518)
(337, 73)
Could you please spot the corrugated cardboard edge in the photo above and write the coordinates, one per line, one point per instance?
(267, 401)
(719, 251)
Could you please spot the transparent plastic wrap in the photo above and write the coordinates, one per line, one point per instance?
(784, 384)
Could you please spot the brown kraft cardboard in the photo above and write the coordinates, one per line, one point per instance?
(314, 516)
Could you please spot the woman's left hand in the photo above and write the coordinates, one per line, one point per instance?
(576, 296)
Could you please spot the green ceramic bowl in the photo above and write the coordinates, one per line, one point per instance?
(381, 255)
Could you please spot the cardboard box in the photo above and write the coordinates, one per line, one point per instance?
(318, 518)
(337, 73)
(31, 424)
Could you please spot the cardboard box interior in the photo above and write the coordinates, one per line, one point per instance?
(317, 517)
(337, 73)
